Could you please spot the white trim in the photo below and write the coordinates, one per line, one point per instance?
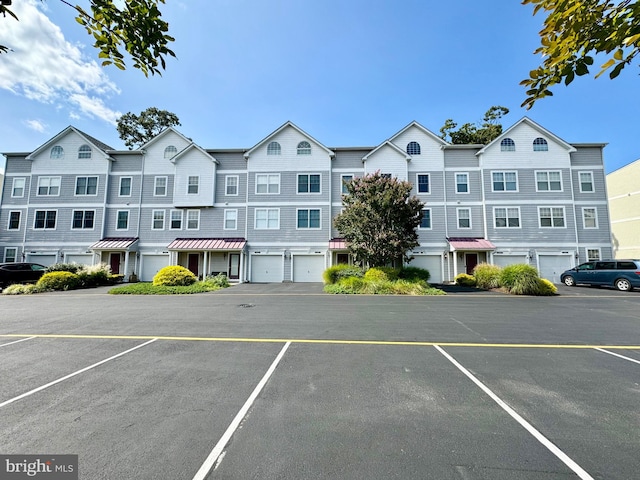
(75, 187)
(15, 257)
(455, 181)
(186, 224)
(504, 180)
(197, 184)
(171, 219)
(45, 219)
(308, 175)
(225, 219)
(153, 215)
(267, 210)
(120, 187)
(309, 219)
(506, 227)
(547, 172)
(13, 186)
(469, 218)
(50, 177)
(226, 185)
(593, 186)
(552, 226)
(428, 175)
(586, 254)
(268, 175)
(430, 227)
(584, 219)
(73, 212)
(9, 221)
(117, 215)
(155, 185)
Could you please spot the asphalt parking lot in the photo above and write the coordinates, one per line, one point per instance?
(284, 382)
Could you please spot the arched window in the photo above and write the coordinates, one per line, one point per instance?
(273, 148)
(57, 152)
(507, 145)
(84, 151)
(413, 148)
(170, 151)
(540, 145)
(304, 148)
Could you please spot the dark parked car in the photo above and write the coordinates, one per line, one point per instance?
(20, 272)
(622, 274)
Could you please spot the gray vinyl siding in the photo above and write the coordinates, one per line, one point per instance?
(127, 163)
(530, 230)
(112, 219)
(148, 189)
(436, 185)
(229, 160)
(602, 234)
(288, 231)
(289, 188)
(437, 231)
(475, 186)
(586, 156)
(67, 191)
(11, 235)
(113, 196)
(477, 222)
(599, 185)
(8, 188)
(527, 186)
(350, 158)
(463, 158)
(17, 164)
(221, 188)
(63, 232)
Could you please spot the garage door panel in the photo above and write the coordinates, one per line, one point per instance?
(45, 260)
(151, 264)
(266, 268)
(433, 263)
(505, 260)
(552, 266)
(80, 259)
(308, 268)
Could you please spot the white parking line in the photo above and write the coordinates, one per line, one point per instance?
(530, 428)
(211, 460)
(17, 341)
(36, 390)
(618, 355)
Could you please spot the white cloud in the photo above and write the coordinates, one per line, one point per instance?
(45, 67)
(36, 125)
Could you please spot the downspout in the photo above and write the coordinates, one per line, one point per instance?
(26, 220)
(139, 257)
(573, 207)
(484, 209)
(446, 210)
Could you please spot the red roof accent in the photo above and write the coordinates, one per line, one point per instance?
(337, 244)
(114, 243)
(470, 244)
(207, 244)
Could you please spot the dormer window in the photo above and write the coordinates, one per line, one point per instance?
(57, 152)
(507, 145)
(540, 145)
(170, 151)
(84, 151)
(304, 148)
(273, 148)
(413, 148)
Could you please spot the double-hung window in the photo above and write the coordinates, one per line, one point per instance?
(175, 220)
(504, 181)
(590, 217)
(10, 254)
(551, 217)
(122, 222)
(268, 183)
(267, 218)
(17, 189)
(160, 187)
(231, 185)
(425, 223)
(345, 179)
(125, 187)
(506, 217)
(193, 219)
(14, 220)
(231, 219)
(83, 219)
(462, 183)
(423, 183)
(86, 185)
(45, 220)
(157, 222)
(48, 186)
(309, 218)
(586, 182)
(192, 185)
(309, 183)
(549, 181)
(464, 217)
(593, 254)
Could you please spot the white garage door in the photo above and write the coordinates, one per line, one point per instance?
(308, 268)
(151, 264)
(504, 260)
(551, 266)
(433, 263)
(81, 258)
(45, 260)
(266, 268)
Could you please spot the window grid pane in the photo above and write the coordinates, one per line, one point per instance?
(14, 221)
(426, 219)
(123, 220)
(193, 185)
(125, 187)
(423, 183)
(462, 183)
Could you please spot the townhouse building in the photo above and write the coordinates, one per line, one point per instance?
(264, 214)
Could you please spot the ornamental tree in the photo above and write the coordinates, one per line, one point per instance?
(136, 130)
(379, 219)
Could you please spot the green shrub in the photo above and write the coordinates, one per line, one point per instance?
(19, 289)
(414, 273)
(333, 274)
(546, 288)
(64, 267)
(94, 275)
(58, 281)
(487, 275)
(465, 280)
(346, 285)
(218, 281)
(379, 274)
(145, 288)
(520, 279)
(174, 275)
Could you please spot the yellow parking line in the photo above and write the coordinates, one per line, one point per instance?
(323, 341)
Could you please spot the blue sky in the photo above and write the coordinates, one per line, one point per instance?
(348, 72)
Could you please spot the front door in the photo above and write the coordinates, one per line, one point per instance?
(194, 259)
(114, 262)
(471, 259)
(234, 266)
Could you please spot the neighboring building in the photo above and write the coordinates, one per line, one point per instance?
(623, 187)
(264, 214)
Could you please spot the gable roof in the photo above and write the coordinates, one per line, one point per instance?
(97, 144)
(424, 130)
(390, 144)
(162, 134)
(543, 131)
(192, 146)
(276, 132)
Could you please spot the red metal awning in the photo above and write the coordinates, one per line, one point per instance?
(470, 244)
(337, 244)
(207, 244)
(114, 243)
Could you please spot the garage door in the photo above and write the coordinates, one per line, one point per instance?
(82, 259)
(552, 266)
(45, 260)
(433, 263)
(266, 268)
(308, 268)
(151, 264)
(504, 260)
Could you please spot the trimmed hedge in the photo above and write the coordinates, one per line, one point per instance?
(58, 281)
(414, 273)
(173, 276)
(465, 280)
(333, 274)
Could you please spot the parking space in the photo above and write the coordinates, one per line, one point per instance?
(301, 385)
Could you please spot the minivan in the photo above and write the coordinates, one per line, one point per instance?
(622, 274)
